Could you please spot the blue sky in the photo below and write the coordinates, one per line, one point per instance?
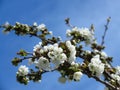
(83, 13)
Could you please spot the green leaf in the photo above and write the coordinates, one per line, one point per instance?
(16, 61)
(22, 53)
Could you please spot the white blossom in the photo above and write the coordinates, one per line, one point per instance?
(116, 77)
(74, 41)
(95, 51)
(55, 45)
(45, 48)
(50, 47)
(35, 24)
(30, 61)
(68, 44)
(41, 27)
(86, 33)
(75, 64)
(37, 46)
(23, 70)
(75, 29)
(6, 24)
(59, 38)
(27, 28)
(83, 32)
(56, 55)
(41, 51)
(51, 33)
(103, 55)
(118, 70)
(72, 49)
(96, 66)
(108, 65)
(17, 23)
(68, 32)
(43, 63)
(88, 52)
(77, 76)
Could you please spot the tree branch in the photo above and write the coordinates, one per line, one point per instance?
(106, 28)
(105, 83)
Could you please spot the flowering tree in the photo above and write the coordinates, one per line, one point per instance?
(53, 54)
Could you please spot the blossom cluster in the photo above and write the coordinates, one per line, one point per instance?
(116, 75)
(22, 74)
(76, 77)
(72, 50)
(81, 34)
(51, 54)
(24, 29)
(40, 27)
(96, 66)
(23, 70)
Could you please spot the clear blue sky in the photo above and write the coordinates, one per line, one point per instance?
(83, 13)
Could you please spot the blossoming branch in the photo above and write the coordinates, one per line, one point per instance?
(53, 54)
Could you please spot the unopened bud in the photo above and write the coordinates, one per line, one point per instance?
(108, 19)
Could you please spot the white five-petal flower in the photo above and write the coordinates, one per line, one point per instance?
(23, 70)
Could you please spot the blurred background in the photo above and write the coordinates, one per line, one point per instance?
(52, 13)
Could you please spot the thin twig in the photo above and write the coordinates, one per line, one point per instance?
(67, 22)
(106, 28)
(25, 58)
(41, 72)
(29, 53)
(105, 83)
(101, 81)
